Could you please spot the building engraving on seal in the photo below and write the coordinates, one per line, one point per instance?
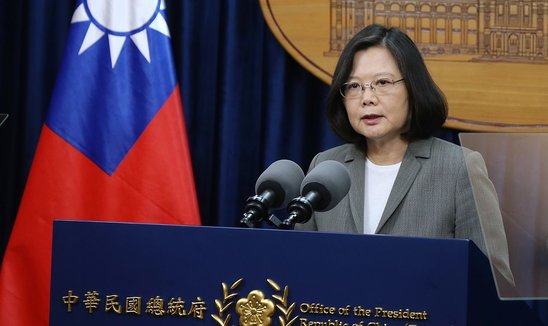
(490, 30)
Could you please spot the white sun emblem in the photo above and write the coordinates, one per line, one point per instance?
(120, 19)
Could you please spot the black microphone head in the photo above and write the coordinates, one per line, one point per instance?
(283, 178)
(330, 179)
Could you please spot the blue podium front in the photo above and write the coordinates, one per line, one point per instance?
(143, 274)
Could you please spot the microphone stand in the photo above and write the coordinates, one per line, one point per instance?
(256, 209)
(301, 209)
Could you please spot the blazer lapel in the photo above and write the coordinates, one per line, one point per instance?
(355, 163)
(409, 169)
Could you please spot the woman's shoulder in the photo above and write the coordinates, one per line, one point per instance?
(339, 153)
(439, 147)
(447, 148)
(438, 153)
(442, 152)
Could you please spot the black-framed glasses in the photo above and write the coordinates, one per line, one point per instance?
(379, 86)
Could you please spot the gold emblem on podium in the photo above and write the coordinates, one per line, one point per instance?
(255, 309)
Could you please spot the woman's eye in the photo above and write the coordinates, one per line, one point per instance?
(353, 85)
(383, 82)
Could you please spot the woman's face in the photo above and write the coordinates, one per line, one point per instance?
(379, 115)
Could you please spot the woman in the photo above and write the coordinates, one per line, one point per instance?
(385, 105)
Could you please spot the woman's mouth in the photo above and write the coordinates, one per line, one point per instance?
(371, 119)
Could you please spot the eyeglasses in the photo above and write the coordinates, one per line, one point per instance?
(380, 86)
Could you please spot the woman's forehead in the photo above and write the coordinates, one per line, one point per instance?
(374, 62)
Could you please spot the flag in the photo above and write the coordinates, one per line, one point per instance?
(113, 146)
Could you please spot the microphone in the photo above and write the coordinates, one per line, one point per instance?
(274, 188)
(322, 189)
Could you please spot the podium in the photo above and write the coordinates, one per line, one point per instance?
(143, 274)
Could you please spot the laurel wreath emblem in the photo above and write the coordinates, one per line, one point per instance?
(228, 300)
(229, 296)
(282, 305)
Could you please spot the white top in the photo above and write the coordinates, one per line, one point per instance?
(379, 180)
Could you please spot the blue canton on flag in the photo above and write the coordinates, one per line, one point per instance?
(101, 88)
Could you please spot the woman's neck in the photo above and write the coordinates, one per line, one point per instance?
(386, 153)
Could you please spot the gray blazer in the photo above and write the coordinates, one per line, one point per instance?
(432, 197)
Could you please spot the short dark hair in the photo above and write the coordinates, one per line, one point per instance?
(427, 103)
